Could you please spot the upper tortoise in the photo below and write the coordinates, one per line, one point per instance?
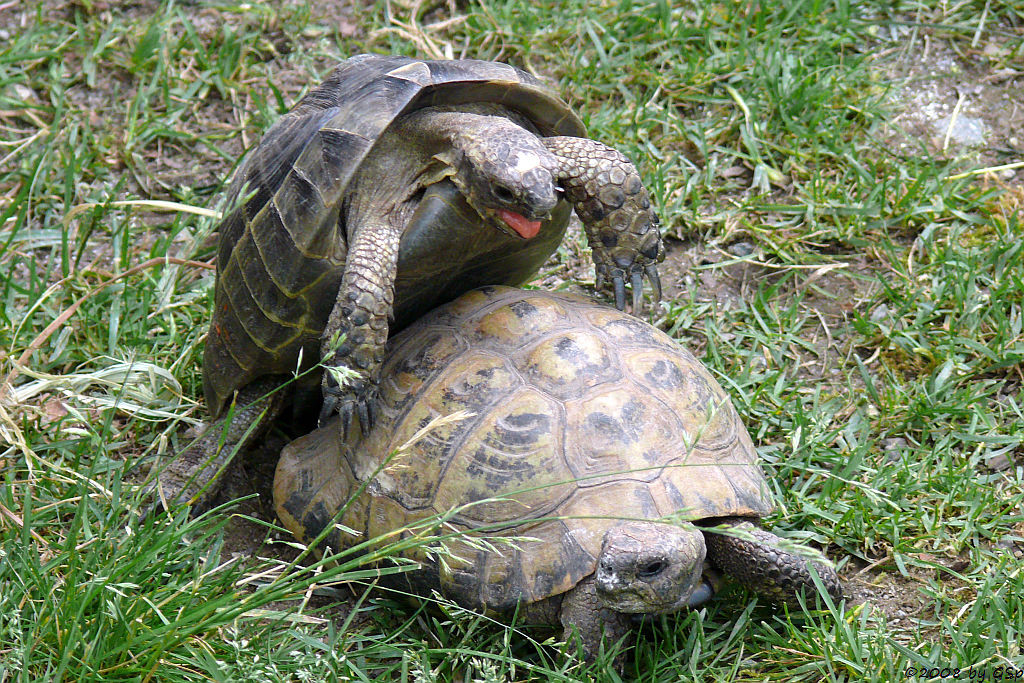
(393, 186)
(597, 442)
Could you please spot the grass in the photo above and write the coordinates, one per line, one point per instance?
(857, 290)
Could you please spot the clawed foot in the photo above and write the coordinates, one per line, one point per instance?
(621, 265)
(635, 275)
(621, 225)
(353, 352)
(357, 399)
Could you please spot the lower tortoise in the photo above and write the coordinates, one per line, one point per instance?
(604, 448)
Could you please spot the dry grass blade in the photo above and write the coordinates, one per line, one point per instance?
(22, 362)
(411, 30)
(156, 205)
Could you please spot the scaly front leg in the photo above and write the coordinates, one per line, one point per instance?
(357, 330)
(584, 616)
(760, 560)
(622, 228)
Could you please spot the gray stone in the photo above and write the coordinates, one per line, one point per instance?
(966, 131)
(894, 448)
(741, 249)
(1006, 543)
(998, 463)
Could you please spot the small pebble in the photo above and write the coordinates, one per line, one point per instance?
(894, 448)
(23, 92)
(1006, 543)
(741, 249)
(998, 463)
(1008, 173)
(966, 130)
(896, 443)
(960, 565)
(880, 313)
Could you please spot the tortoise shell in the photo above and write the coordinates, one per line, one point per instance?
(282, 247)
(579, 416)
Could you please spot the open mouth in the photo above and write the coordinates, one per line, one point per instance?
(519, 224)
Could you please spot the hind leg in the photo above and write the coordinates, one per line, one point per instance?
(192, 476)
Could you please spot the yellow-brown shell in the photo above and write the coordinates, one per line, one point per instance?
(580, 415)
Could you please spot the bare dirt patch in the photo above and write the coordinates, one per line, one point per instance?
(898, 598)
(958, 103)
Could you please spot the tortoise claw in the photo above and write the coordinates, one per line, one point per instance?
(620, 291)
(371, 414)
(711, 582)
(346, 412)
(637, 273)
(351, 409)
(652, 274)
(330, 406)
(332, 399)
(365, 423)
(637, 284)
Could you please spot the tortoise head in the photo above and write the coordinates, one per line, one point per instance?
(503, 170)
(649, 567)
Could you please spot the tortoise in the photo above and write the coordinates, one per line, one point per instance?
(396, 185)
(603, 447)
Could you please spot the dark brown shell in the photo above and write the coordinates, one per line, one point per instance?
(282, 249)
(581, 415)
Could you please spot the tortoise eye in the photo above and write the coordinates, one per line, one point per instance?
(503, 194)
(651, 570)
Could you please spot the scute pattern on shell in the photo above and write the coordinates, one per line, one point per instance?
(580, 414)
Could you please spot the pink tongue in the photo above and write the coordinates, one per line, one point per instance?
(525, 228)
